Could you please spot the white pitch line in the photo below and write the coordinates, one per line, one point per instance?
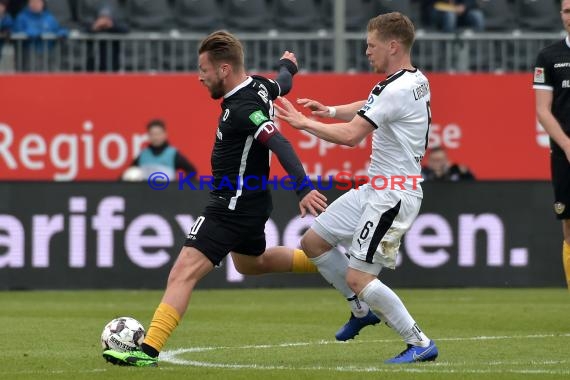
(172, 356)
(329, 342)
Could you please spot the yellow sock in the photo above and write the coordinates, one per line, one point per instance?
(302, 264)
(163, 323)
(566, 261)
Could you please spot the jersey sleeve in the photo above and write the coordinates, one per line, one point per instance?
(273, 89)
(381, 107)
(542, 79)
(253, 119)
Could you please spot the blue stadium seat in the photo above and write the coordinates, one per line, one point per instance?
(150, 15)
(197, 15)
(539, 15)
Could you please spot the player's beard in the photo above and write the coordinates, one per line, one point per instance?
(217, 89)
(379, 67)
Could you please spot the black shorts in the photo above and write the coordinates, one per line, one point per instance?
(219, 230)
(560, 171)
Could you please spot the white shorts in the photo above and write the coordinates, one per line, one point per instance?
(374, 221)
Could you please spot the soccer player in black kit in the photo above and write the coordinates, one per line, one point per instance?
(552, 89)
(234, 219)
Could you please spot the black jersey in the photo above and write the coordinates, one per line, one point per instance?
(238, 155)
(552, 72)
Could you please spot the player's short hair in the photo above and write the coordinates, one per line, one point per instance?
(223, 47)
(394, 25)
(156, 123)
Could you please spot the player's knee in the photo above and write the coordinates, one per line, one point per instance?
(357, 280)
(353, 282)
(313, 245)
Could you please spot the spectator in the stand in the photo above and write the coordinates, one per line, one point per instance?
(102, 16)
(5, 23)
(34, 21)
(440, 169)
(449, 15)
(160, 156)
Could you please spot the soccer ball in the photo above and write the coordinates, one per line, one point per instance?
(122, 334)
(133, 174)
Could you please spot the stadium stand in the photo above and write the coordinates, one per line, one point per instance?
(150, 15)
(197, 15)
(356, 15)
(538, 15)
(499, 15)
(238, 15)
(407, 7)
(164, 34)
(297, 15)
(63, 12)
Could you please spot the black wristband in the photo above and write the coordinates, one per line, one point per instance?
(289, 65)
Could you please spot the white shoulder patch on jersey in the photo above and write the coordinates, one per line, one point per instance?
(539, 75)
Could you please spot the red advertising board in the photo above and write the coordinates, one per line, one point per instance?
(89, 127)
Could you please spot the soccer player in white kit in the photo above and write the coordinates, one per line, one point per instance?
(376, 215)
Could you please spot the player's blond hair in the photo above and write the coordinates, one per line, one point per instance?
(395, 26)
(223, 47)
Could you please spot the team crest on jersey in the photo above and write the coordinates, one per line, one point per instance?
(559, 207)
(539, 75)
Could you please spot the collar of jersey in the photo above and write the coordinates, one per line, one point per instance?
(568, 40)
(238, 87)
(408, 70)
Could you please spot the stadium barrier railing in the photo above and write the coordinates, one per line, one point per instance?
(174, 51)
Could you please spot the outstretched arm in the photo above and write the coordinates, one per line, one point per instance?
(344, 112)
(350, 133)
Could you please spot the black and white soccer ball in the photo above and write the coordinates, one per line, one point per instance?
(122, 334)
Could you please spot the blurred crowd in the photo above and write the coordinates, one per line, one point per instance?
(36, 25)
(258, 15)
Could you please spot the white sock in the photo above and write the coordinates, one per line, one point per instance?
(358, 307)
(383, 299)
(333, 265)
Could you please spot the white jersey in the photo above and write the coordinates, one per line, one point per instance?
(399, 109)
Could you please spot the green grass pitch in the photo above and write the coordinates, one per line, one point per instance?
(289, 334)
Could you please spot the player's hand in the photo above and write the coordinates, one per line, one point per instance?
(102, 23)
(288, 113)
(291, 57)
(314, 203)
(317, 109)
